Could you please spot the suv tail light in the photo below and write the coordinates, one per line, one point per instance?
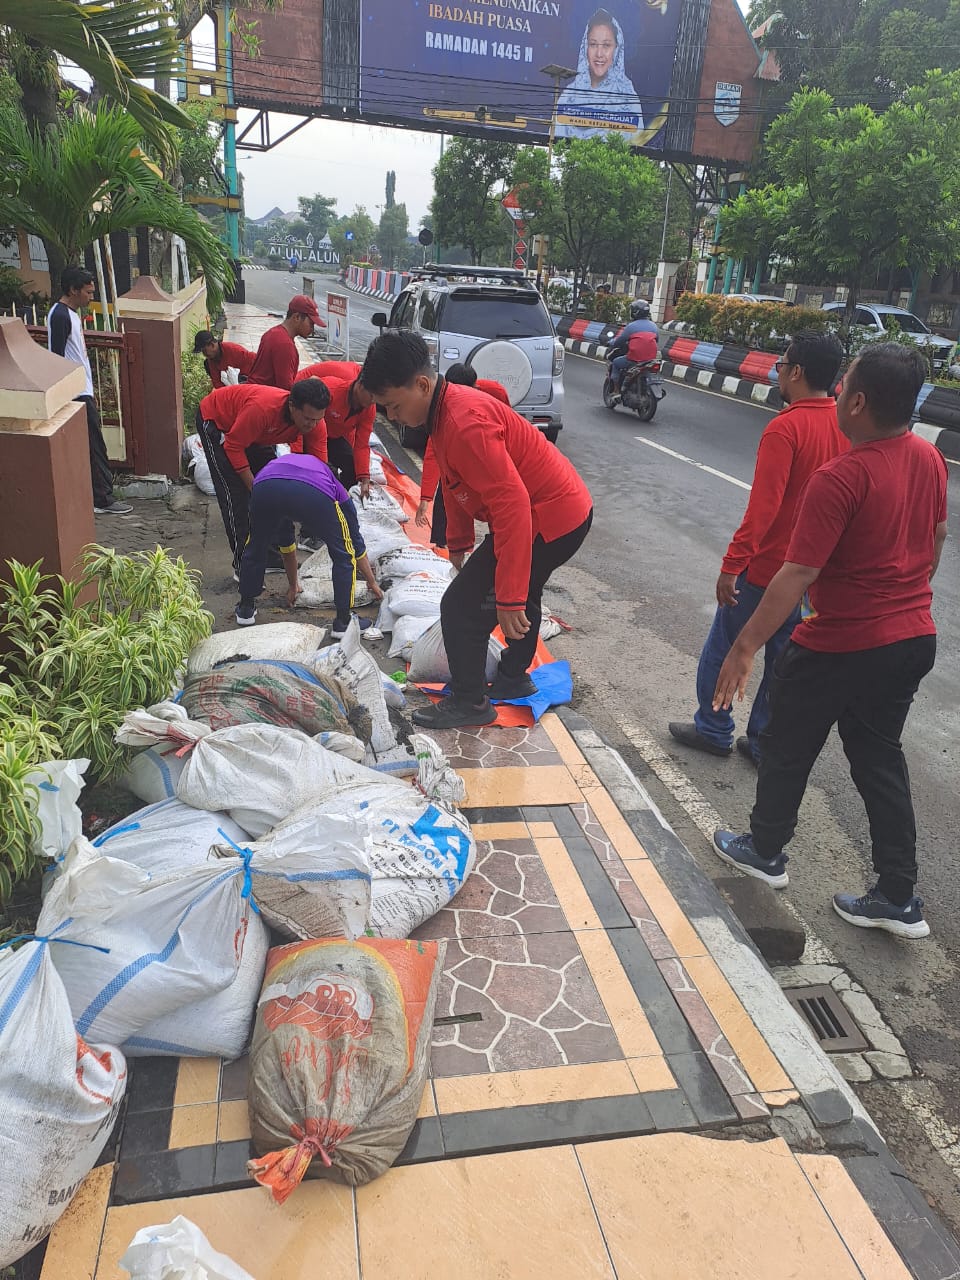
(558, 354)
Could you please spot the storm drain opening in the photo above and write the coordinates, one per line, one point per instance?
(454, 1019)
(828, 1018)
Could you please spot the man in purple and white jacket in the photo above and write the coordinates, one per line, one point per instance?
(301, 487)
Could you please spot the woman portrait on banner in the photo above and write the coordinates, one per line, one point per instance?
(601, 83)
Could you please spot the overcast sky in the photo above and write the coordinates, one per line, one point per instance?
(346, 161)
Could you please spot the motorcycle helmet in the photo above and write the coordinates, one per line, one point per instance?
(639, 309)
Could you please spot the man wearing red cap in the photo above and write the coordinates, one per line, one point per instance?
(277, 356)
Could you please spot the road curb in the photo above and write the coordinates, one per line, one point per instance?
(840, 1120)
(945, 438)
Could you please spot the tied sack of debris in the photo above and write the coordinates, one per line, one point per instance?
(339, 1058)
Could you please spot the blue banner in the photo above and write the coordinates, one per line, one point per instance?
(481, 64)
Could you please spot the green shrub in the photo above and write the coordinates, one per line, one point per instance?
(610, 308)
(196, 384)
(77, 657)
(764, 326)
(559, 299)
(12, 293)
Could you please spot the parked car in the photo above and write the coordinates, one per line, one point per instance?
(759, 297)
(494, 320)
(878, 318)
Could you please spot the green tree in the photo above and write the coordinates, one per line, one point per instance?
(317, 212)
(392, 234)
(602, 194)
(468, 186)
(391, 191)
(858, 191)
(199, 152)
(364, 234)
(87, 178)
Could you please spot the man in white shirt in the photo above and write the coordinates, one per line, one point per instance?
(65, 338)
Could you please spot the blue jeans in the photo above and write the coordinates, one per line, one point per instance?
(728, 622)
(618, 367)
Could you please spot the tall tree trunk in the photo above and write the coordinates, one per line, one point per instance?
(35, 69)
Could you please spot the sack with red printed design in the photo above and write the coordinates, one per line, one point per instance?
(339, 1058)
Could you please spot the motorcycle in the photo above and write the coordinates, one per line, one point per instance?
(642, 389)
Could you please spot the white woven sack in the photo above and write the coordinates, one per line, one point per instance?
(282, 641)
(59, 1098)
(380, 499)
(429, 663)
(166, 837)
(381, 533)
(412, 559)
(406, 632)
(417, 595)
(58, 783)
(163, 729)
(178, 1251)
(358, 670)
(316, 578)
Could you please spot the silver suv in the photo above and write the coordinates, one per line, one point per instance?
(879, 318)
(494, 320)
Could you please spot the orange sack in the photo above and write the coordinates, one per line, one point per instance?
(339, 1058)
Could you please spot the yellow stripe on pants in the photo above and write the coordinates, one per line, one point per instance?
(348, 543)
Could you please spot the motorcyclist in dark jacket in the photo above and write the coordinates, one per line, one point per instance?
(636, 343)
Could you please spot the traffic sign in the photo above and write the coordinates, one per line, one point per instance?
(338, 312)
(348, 235)
(426, 236)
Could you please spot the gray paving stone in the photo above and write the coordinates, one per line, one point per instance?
(705, 1093)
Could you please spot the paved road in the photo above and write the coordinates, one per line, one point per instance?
(274, 289)
(640, 596)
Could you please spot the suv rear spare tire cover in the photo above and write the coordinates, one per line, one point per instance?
(506, 363)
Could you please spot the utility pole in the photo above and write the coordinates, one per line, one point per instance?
(559, 76)
(231, 173)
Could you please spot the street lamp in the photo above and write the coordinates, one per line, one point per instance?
(559, 76)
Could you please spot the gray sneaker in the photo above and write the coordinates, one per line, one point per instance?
(113, 508)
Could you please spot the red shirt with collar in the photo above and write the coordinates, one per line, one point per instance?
(249, 414)
(344, 370)
(232, 356)
(277, 360)
(497, 467)
(794, 444)
(430, 475)
(341, 420)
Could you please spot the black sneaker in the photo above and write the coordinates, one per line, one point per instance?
(690, 736)
(872, 910)
(746, 750)
(504, 688)
(451, 713)
(246, 614)
(113, 508)
(739, 852)
(339, 628)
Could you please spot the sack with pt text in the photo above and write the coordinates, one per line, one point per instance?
(59, 1098)
(339, 1058)
(412, 559)
(379, 500)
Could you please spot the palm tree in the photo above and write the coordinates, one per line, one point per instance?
(87, 178)
(116, 42)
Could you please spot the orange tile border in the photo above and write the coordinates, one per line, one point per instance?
(198, 1080)
(428, 1103)
(781, 1097)
(500, 831)
(541, 829)
(74, 1242)
(233, 1122)
(571, 894)
(736, 1024)
(562, 739)
(619, 831)
(520, 1214)
(194, 1126)
(853, 1218)
(680, 932)
(488, 1092)
(541, 784)
(629, 1022)
(652, 1074)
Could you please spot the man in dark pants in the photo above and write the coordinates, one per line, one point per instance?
(495, 467)
(301, 487)
(65, 338)
(794, 444)
(866, 545)
(241, 428)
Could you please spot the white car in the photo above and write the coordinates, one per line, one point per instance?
(878, 318)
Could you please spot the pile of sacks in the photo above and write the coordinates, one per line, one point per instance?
(272, 817)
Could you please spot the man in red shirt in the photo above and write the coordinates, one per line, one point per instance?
(801, 438)
(349, 421)
(866, 545)
(219, 355)
(241, 428)
(495, 467)
(278, 359)
(465, 376)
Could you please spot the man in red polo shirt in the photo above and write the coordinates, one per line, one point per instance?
(241, 428)
(278, 358)
(866, 545)
(496, 467)
(219, 356)
(801, 438)
(349, 421)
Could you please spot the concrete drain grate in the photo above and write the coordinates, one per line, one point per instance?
(828, 1018)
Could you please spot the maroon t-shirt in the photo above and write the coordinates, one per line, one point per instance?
(867, 521)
